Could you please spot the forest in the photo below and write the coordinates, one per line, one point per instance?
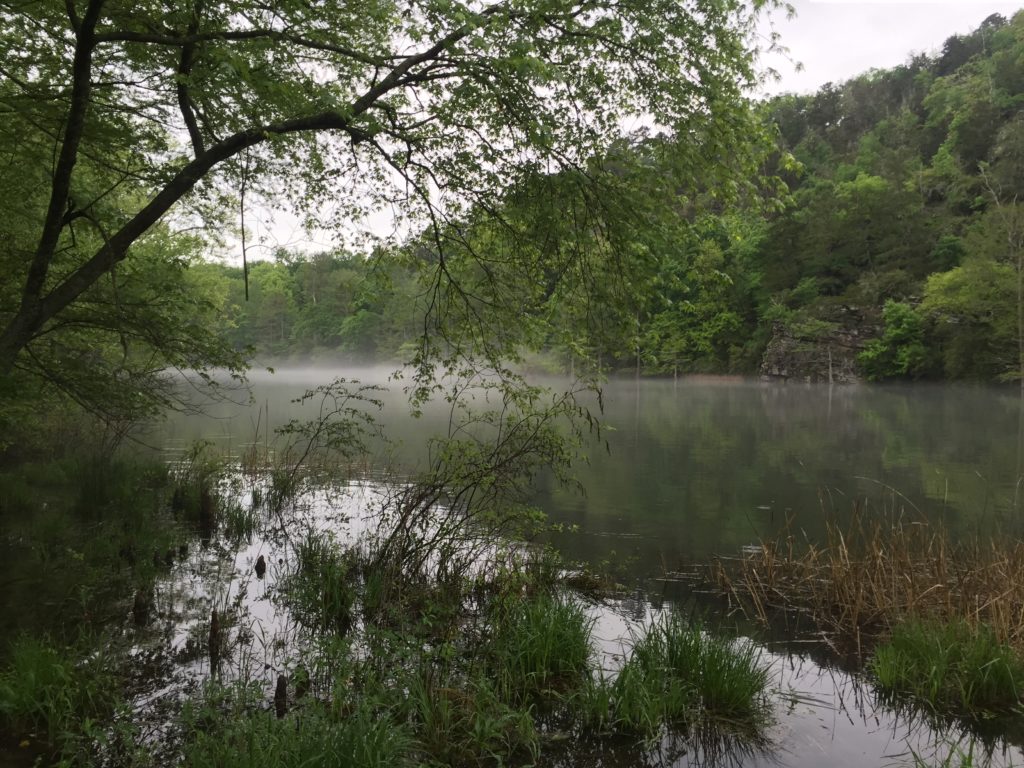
(893, 249)
(227, 540)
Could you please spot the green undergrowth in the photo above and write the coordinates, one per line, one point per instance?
(233, 728)
(54, 696)
(398, 655)
(950, 667)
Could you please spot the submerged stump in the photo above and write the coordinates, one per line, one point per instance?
(141, 607)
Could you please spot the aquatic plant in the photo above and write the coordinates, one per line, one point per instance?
(227, 729)
(240, 522)
(321, 588)
(678, 674)
(870, 575)
(538, 646)
(952, 666)
(464, 721)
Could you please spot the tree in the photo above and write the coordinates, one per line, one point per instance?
(973, 311)
(433, 107)
(901, 351)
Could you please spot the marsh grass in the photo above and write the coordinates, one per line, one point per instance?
(322, 589)
(679, 674)
(871, 575)
(951, 667)
(539, 646)
(464, 721)
(240, 522)
(228, 728)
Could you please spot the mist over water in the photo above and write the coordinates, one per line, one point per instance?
(706, 466)
(692, 469)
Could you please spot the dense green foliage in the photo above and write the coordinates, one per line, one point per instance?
(135, 138)
(905, 225)
(897, 247)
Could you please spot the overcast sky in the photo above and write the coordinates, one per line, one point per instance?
(836, 40)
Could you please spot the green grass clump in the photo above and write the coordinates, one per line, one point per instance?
(679, 674)
(363, 738)
(465, 722)
(951, 667)
(240, 522)
(539, 645)
(53, 694)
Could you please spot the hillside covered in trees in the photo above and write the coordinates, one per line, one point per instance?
(894, 250)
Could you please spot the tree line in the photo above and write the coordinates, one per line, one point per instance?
(895, 243)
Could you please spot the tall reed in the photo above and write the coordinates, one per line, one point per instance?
(871, 575)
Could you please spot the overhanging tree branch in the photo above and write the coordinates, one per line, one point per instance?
(36, 310)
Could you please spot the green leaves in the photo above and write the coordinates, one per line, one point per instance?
(441, 104)
(900, 352)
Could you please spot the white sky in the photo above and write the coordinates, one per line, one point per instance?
(838, 39)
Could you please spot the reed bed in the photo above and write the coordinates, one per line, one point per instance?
(870, 575)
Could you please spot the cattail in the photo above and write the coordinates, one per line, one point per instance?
(261, 567)
(214, 641)
(140, 608)
(281, 696)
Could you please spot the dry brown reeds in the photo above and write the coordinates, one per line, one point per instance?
(871, 574)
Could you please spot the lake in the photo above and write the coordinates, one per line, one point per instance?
(705, 466)
(691, 469)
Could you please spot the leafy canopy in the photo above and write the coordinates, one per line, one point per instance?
(117, 114)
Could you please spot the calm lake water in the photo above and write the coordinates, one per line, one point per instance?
(692, 469)
(701, 467)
